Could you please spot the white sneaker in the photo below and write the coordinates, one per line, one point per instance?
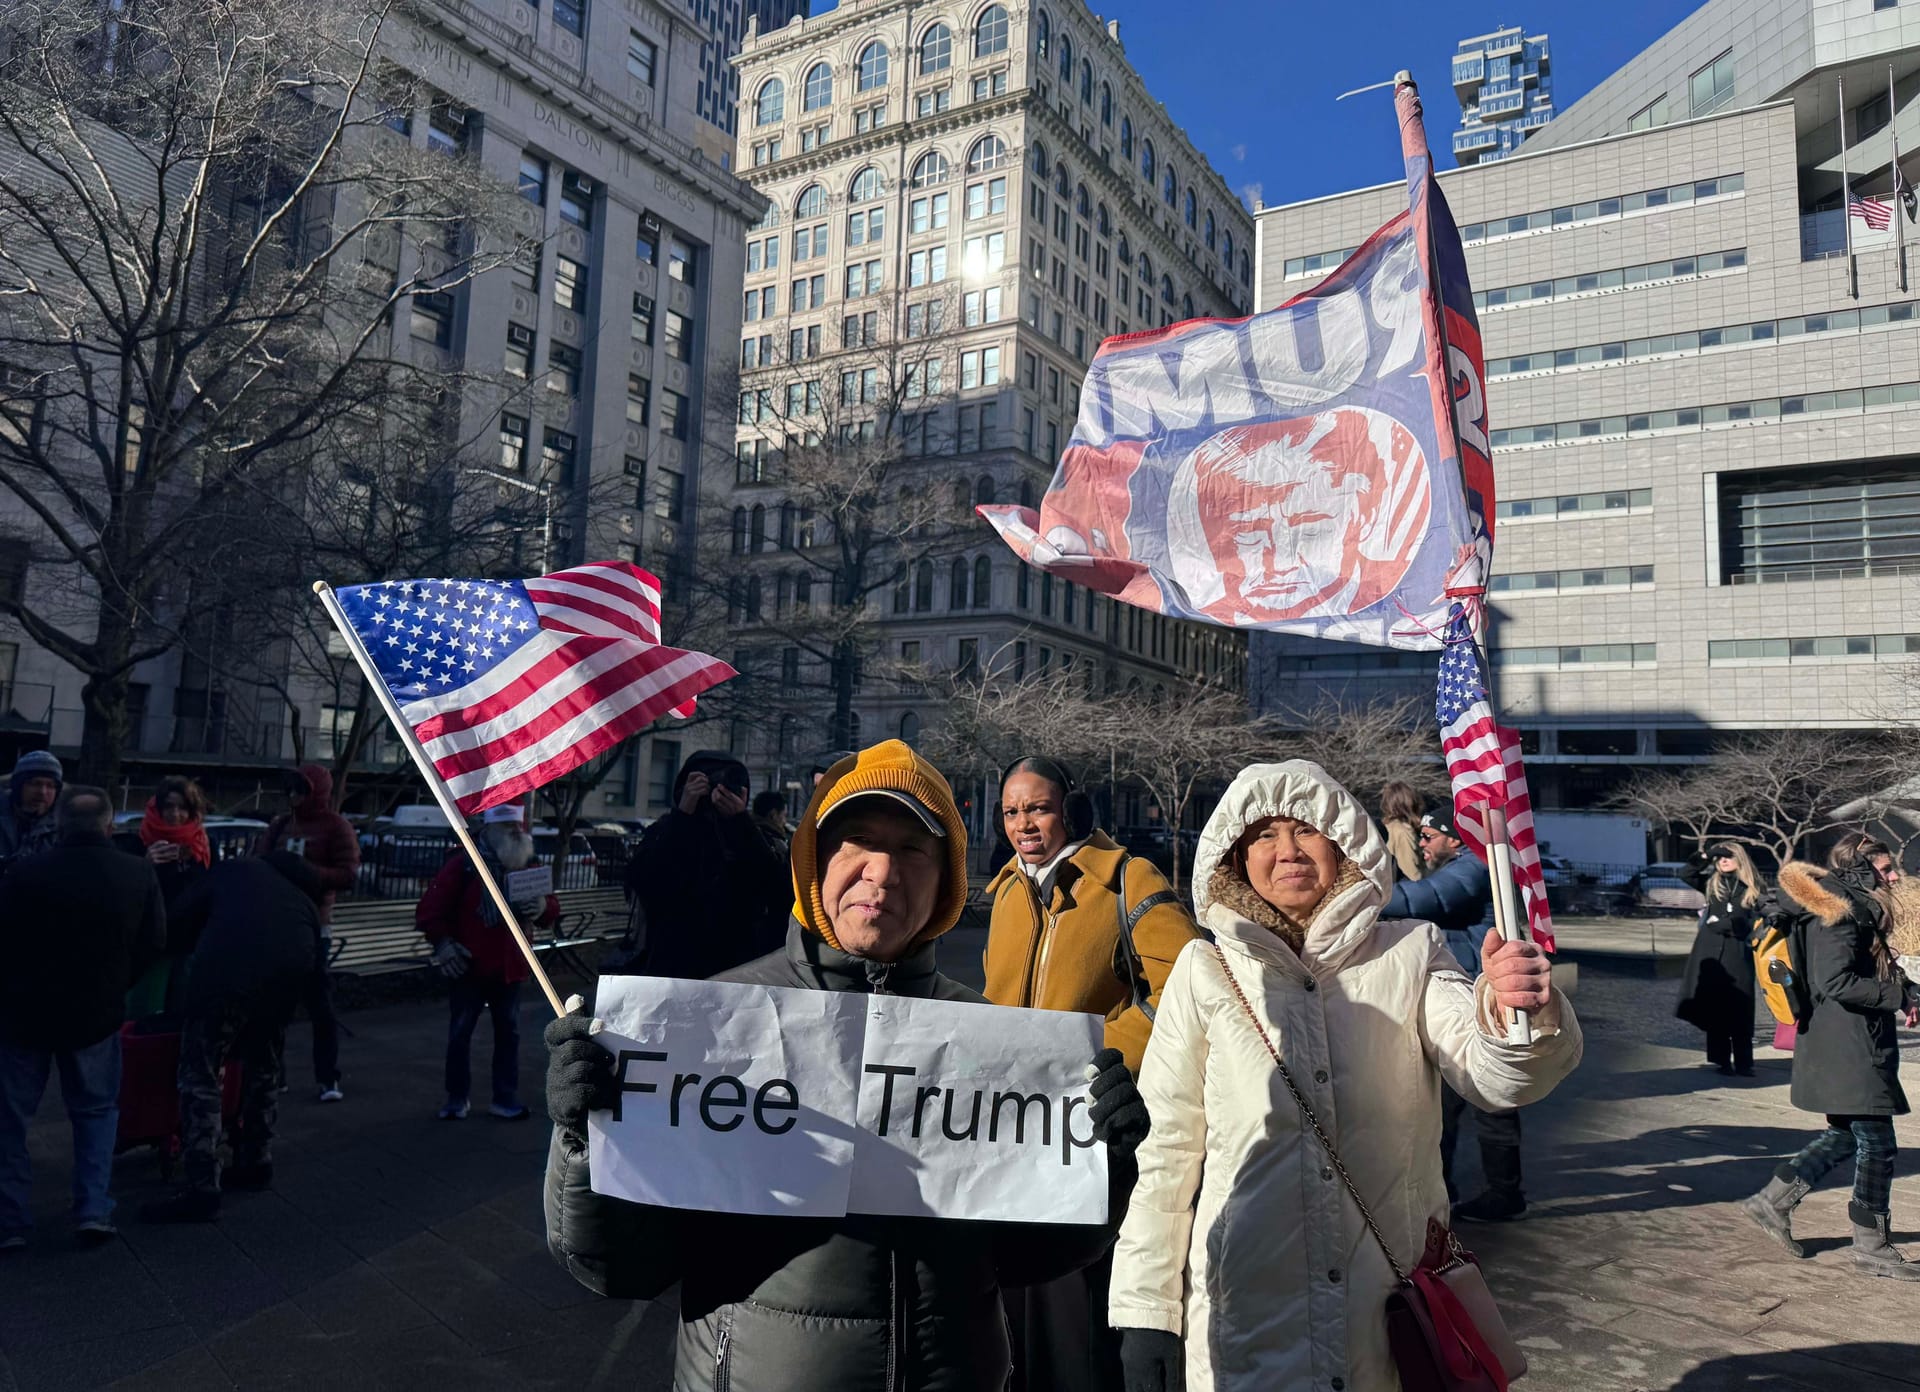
(332, 1093)
(455, 1111)
(13, 1242)
(516, 1112)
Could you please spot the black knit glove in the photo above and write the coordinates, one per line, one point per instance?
(579, 1071)
(1151, 1360)
(1119, 1113)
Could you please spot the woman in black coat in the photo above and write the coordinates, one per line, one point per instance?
(1717, 992)
(1846, 1063)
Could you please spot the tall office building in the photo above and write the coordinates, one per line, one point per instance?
(1505, 85)
(611, 335)
(997, 183)
(725, 23)
(1705, 417)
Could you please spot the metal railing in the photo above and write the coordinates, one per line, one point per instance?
(400, 865)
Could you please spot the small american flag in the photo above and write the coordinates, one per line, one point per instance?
(1875, 212)
(510, 684)
(1483, 760)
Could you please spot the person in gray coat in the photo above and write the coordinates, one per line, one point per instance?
(861, 1303)
(1846, 1061)
(27, 825)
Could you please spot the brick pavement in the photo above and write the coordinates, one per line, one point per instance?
(399, 1251)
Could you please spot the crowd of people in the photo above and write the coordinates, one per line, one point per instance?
(1287, 1059)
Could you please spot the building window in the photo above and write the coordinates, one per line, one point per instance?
(569, 283)
(643, 57)
(563, 369)
(980, 368)
(1711, 87)
(556, 457)
(570, 15)
(957, 574)
(818, 89)
(642, 318)
(930, 169)
(676, 414)
(866, 227)
(1654, 113)
(646, 242)
(993, 84)
(447, 127)
(990, 32)
(1146, 160)
(936, 50)
(771, 104)
(1807, 524)
(866, 187)
(513, 443)
(982, 583)
(926, 267)
(533, 180)
(1106, 105)
(679, 337)
(639, 396)
(431, 320)
(1126, 138)
(576, 198)
(519, 361)
(871, 69)
(669, 494)
(683, 261)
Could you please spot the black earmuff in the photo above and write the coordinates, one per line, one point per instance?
(1075, 806)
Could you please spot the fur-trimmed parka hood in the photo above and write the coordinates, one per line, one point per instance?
(1817, 890)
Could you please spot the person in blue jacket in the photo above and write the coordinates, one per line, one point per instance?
(1456, 896)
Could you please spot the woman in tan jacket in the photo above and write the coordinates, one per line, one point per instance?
(1060, 908)
(1400, 809)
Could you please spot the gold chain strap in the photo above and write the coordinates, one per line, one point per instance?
(1286, 1076)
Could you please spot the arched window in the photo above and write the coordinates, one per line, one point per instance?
(909, 728)
(988, 152)
(803, 591)
(871, 71)
(1106, 104)
(811, 203)
(1042, 35)
(983, 491)
(1191, 209)
(957, 583)
(929, 169)
(1103, 221)
(990, 32)
(936, 50)
(1042, 166)
(1062, 179)
(759, 527)
(770, 218)
(753, 599)
(771, 105)
(739, 529)
(1125, 249)
(786, 526)
(1066, 59)
(1082, 204)
(982, 583)
(818, 91)
(1226, 249)
(1186, 306)
(1145, 270)
(1086, 82)
(923, 587)
(1126, 138)
(1166, 289)
(1246, 270)
(1146, 160)
(1169, 187)
(867, 186)
(1210, 229)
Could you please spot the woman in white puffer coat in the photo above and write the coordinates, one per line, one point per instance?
(1240, 1241)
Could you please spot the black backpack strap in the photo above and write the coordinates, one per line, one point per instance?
(1126, 957)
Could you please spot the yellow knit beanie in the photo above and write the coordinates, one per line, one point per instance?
(890, 764)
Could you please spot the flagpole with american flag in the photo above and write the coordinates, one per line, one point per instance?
(1490, 796)
(1846, 187)
(497, 687)
(1899, 184)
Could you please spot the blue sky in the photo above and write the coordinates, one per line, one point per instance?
(1254, 81)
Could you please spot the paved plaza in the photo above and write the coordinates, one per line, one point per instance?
(400, 1251)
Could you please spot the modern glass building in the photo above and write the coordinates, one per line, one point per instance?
(1505, 88)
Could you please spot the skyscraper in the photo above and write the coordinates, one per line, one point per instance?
(725, 23)
(1505, 88)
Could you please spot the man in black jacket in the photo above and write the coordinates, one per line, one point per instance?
(712, 889)
(853, 1304)
(253, 928)
(78, 924)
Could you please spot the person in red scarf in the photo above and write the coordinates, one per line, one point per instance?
(174, 834)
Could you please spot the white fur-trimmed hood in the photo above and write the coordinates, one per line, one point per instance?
(1304, 791)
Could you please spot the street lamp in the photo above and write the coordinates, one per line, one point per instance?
(545, 489)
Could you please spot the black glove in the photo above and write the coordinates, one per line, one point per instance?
(1151, 1360)
(579, 1071)
(1119, 1112)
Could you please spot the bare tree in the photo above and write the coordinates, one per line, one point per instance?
(207, 232)
(1365, 746)
(1771, 790)
(858, 442)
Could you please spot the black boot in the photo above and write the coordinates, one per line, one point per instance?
(187, 1206)
(1872, 1252)
(1772, 1208)
(1504, 1199)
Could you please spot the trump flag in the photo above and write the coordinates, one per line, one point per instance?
(1320, 468)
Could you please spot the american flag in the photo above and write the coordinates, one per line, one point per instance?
(1483, 760)
(510, 684)
(1875, 212)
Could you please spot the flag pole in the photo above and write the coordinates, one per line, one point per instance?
(1508, 921)
(435, 785)
(1899, 203)
(1846, 192)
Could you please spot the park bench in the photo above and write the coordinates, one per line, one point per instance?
(375, 937)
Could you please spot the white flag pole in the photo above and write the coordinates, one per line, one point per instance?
(435, 785)
(1899, 184)
(1846, 189)
(1508, 917)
